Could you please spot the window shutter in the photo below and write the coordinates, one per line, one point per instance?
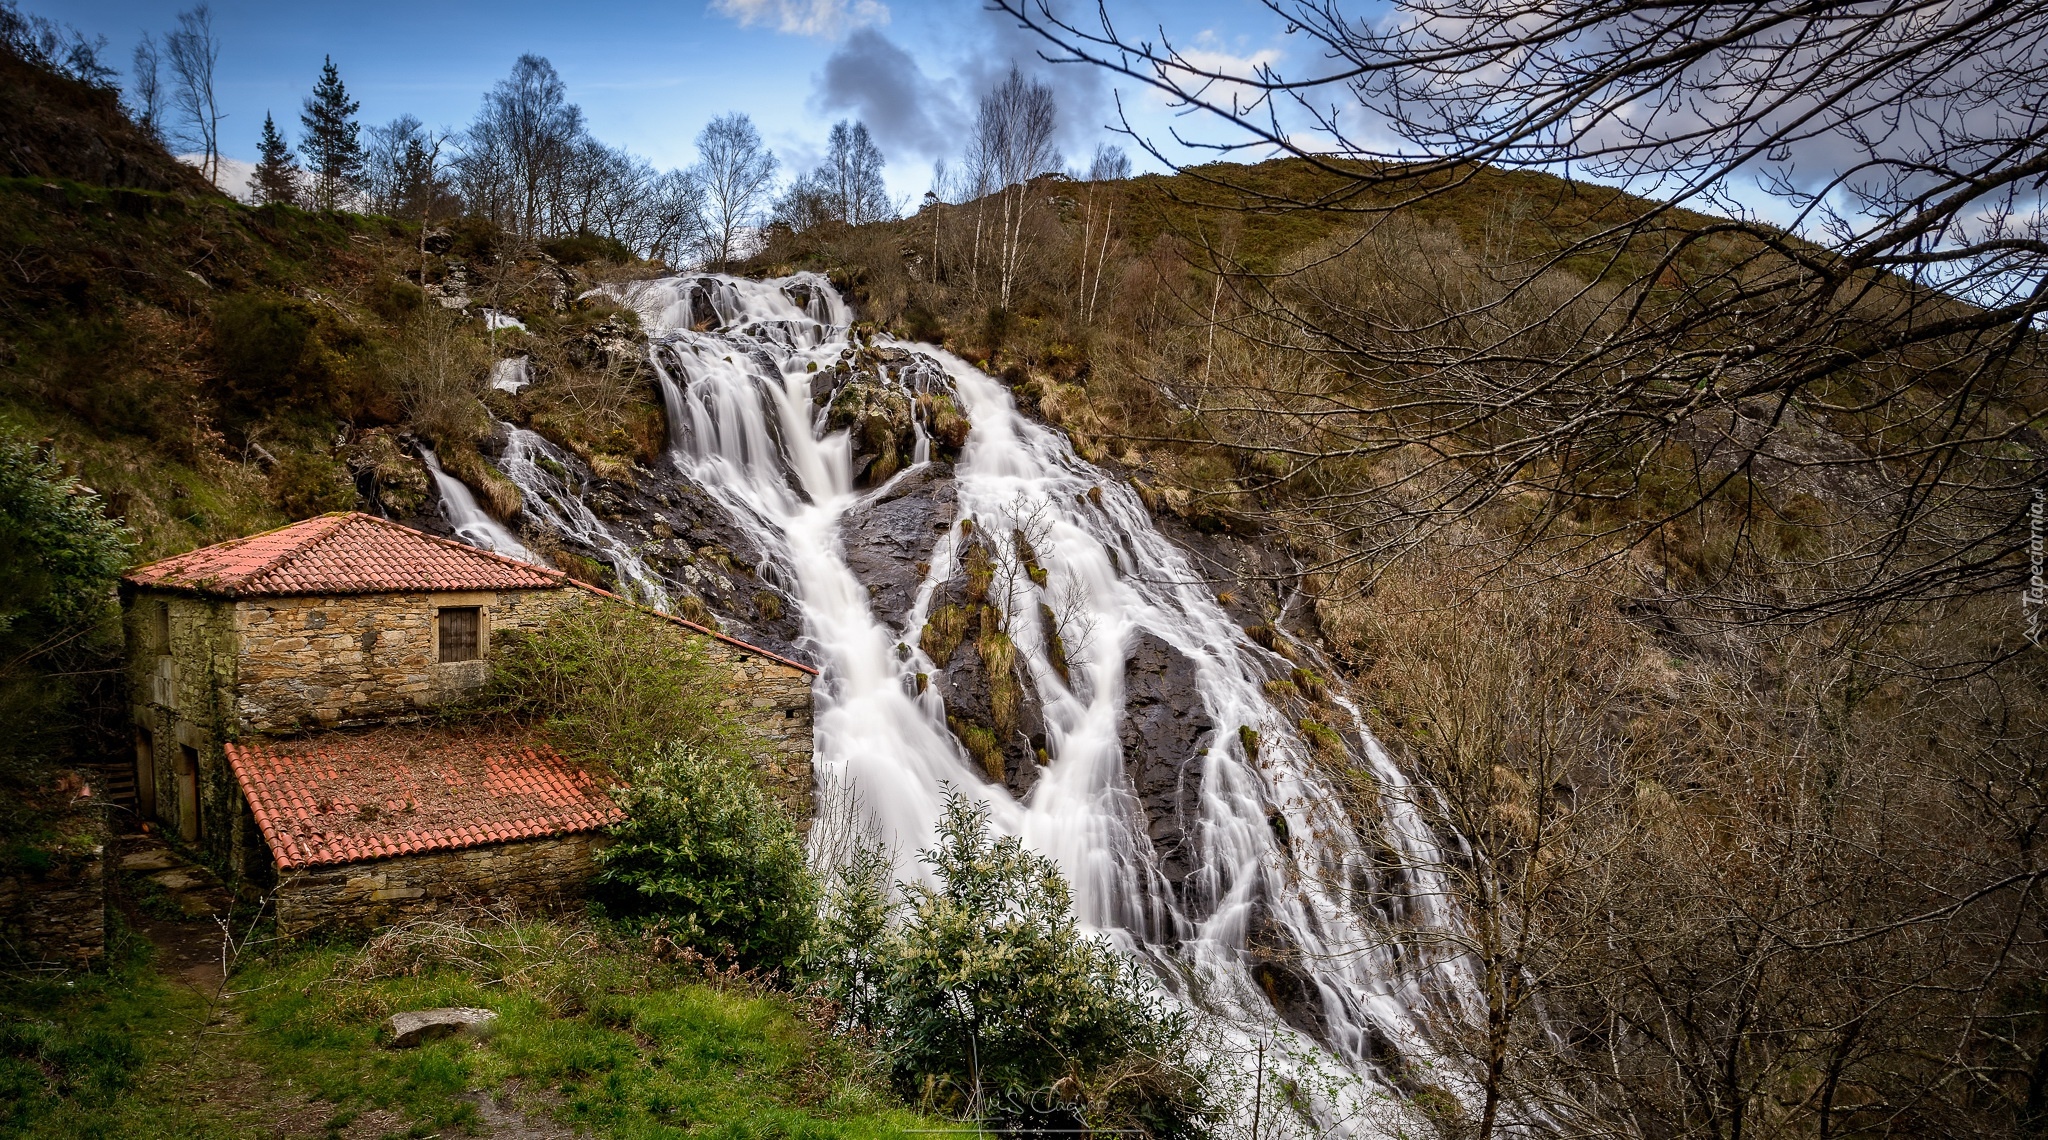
(458, 633)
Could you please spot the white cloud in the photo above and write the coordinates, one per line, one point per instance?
(804, 17)
(237, 178)
(1209, 56)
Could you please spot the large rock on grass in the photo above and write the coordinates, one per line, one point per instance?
(419, 1026)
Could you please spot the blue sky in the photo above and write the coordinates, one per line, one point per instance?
(649, 75)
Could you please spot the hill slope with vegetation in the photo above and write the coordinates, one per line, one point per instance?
(1750, 816)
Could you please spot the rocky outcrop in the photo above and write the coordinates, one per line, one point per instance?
(992, 707)
(877, 416)
(1165, 733)
(1276, 966)
(883, 397)
(888, 538)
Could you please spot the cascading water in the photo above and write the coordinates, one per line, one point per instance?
(1273, 854)
(543, 474)
(473, 524)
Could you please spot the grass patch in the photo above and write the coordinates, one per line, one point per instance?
(116, 1053)
(625, 1035)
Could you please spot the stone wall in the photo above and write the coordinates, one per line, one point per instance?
(361, 659)
(775, 701)
(181, 671)
(53, 903)
(530, 875)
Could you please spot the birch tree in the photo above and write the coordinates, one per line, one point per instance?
(736, 174)
(194, 51)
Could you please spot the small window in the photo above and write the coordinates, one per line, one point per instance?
(160, 627)
(458, 633)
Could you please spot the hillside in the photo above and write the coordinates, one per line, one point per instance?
(1538, 731)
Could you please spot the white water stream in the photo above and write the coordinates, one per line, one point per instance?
(472, 523)
(745, 430)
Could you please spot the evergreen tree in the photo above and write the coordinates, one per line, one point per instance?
(333, 145)
(277, 173)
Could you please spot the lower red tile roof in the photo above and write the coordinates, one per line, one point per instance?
(350, 797)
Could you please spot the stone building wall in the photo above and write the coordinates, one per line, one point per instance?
(205, 670)
(320, 662)
(181, 674)
(775, 701)
(531, 875)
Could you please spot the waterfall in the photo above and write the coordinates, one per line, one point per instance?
(1274, 856)
(472, 523)
(543, 473)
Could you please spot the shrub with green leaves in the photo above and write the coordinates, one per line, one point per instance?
(269, 350)
(307, 483)
(706, 849)
(991, 1002)
(59, 555)
(611, 683)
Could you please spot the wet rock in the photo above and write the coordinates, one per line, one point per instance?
(610, 344)
(417, 1027)
(804, 295)
(876, 415)
(888, 538)
(1276, 966)
(1009, 753)
(437, 241)
(1250, 576)
(1165, 733)
(391, 481)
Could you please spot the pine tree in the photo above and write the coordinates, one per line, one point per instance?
(277, 174)
(333, 145)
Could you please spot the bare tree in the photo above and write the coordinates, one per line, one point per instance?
(1110, 164)
(854, 165)
(149, 90)
(1013, 131)
(520, 146)
(1838, 268)
(675, 217)
(404, 174)
(55, 45)
(737, 176)
(194, 50)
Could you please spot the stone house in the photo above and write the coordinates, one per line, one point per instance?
(281, 686)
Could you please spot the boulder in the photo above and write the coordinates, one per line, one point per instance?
(888, 537)
(877, 415)
(416, 1027)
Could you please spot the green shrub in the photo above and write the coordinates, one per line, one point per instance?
(60, 641)
(583, 248)
(706, 849)
(611, 683)
(394, 298)
(990, 1001)
(267, 348)
(59, 553)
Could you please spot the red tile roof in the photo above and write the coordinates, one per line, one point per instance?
(353, 553)
(343, 553)
(350, 797)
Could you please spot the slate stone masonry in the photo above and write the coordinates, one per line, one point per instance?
(534, 875)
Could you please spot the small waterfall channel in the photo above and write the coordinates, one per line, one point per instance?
(1278, 920)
